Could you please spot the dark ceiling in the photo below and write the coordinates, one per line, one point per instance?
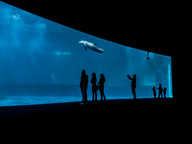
(155, 26)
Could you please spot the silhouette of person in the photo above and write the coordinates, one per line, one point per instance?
(160, 91)
(133, 85)
(94, 86)
(154, 92)
(83, 86)
(101, 86)
(165, 92)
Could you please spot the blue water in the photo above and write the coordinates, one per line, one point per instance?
(41, 61)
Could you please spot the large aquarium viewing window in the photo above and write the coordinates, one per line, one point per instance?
(41, 62)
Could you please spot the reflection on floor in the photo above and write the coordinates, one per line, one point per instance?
(33, 100)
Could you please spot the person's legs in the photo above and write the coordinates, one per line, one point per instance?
(134, 93)
(85, 94)
(95, 95)
(101, 93)
(161, 95)
(104, 96)
(82, 94)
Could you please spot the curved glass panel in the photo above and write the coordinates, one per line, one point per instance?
(41, 62)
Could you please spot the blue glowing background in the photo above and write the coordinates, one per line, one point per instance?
(41, 62)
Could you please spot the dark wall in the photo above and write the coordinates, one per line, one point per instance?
(181, 66)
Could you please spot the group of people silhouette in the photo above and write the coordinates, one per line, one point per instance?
(161, 91)
(100, 86)
(95, 86)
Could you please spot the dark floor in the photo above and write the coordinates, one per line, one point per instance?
(108, 109)
(114, 120)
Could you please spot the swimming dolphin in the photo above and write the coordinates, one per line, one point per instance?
(91, 46)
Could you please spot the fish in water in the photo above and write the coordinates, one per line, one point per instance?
(91, 46)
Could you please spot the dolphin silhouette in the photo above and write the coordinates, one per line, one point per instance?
(91, 46)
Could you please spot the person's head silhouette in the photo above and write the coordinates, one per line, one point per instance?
(83, 72)
(93, 74)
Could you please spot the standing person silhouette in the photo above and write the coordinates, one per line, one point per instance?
(160, 91)
(83, 86)
(101, 86)
(133, 85)
(94, 86)
(154, 92)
